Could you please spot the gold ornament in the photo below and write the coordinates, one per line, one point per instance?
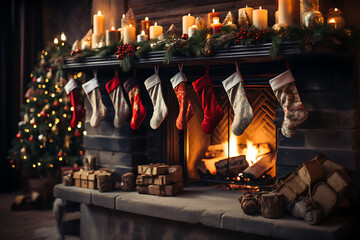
(313, 18)
(243, 19)
(229, 20)
(336, 18)
(173, 31)
(55, 129)
(200, 23)
(23, 151)
(280, 28)
(49, 74)
(307, 6)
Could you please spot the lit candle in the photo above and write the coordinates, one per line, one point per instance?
(142, 37)
(210, 17)
(285, 12)
(63, 37)
(260, 18)
(336, 19)
(112, 36)
(216, 25)
(56, 41)
(98, 23)
(192, 30)
(187, 21)
(155, 31)
(122, 26)
(145, 26)
(129, 34)
(249, 13)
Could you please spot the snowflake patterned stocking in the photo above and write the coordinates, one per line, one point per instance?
(79, 112)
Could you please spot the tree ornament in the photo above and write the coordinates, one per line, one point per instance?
(243, 20)
(125, 50)
(312, 19)
(66, 108)
(185, 36)
(43, 114)
(55, 129)
(60, 153)
(34, 79)
(67, 141)
(31, 138)
(173, 31)
(129, 18)
(77, 133)
(229, 19)
(32, 122)
(23, 151)
(49, 74)
(39, 79)
(56, 103)
(40, 137)
(18, 135)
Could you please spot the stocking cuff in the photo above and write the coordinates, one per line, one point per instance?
(90, 85)
(112, 84)
(178, 78)
(71, 85)
(231, 81)
(152, 81)
(282, 80)
(131, 83)
(202, 83)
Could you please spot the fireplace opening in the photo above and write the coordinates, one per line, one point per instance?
(246, 160)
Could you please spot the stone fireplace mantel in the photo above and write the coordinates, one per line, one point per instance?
(211, 207)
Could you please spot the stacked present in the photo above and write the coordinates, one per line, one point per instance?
(159, 179)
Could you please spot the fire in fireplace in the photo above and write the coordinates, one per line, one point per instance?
(224, 157)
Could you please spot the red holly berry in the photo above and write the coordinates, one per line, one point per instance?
(185, 36)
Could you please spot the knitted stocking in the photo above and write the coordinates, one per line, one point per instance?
(243, 113)
(186, 109)
(122, 109)
(153, 86)
(131, 86)
(79, 112)
(212, 110)
(287, 94)
(92, 91)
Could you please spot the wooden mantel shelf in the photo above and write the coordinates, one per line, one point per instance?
(254, 53)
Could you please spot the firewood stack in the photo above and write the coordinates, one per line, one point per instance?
(159, 179)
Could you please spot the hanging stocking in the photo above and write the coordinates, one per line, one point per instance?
(131, 86)
(287, 94)
(212, 110)
(93, 94)
(186, 109)
(243, 113)
(153, 86)
(79, 112)
(122, 109)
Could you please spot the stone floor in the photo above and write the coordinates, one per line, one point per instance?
(29, 224)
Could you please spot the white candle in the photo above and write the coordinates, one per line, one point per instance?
(285, 12)
(122, 26)
(85, 45)
(95, 40)
(187, 21)
(142, 37)
(192, 30)
(249, 12)
(260, 18)
(129, 34)
(277, 16)
(155, 31)
(98, 23)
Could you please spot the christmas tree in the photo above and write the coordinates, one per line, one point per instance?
(45, 137)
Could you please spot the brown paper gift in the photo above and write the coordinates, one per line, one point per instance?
(325, 198)
(77, 178)
(328, 165)
(311, 172)
(339, 181)
(106, 180)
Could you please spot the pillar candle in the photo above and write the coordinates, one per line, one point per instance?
(142, 37)
(231, 24)
(122, 26)
(155, 31)
(187, 21)
(210, 17)
(277, 16)
(192, 30)
(145, 25)
(98, 23)
(249, 13)
(95, 40)
(216, 25)
(129, 34)
(285, 12)
(260, 18)
(112, 36)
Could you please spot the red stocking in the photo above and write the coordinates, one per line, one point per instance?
(79, 112)
(212, 110)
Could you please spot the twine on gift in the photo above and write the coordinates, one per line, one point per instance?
(180, 66)
(156, 69)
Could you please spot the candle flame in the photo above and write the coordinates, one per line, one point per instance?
(147, 18)
(130, 25)
(332, 20)
(246, 6)
(99, 13)
(123, 16)
(112, 28)
(213, 10)
(63, 37)
(189, 14)
(155, 24)
(142, 32)
(336, 9)
(56, 41)
(260, 7)
(229, 22)
(216, 20)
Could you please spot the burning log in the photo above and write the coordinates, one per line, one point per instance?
(218, 150)
(237, 165)
(258, 169)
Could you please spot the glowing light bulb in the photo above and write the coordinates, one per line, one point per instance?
(56, 41)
